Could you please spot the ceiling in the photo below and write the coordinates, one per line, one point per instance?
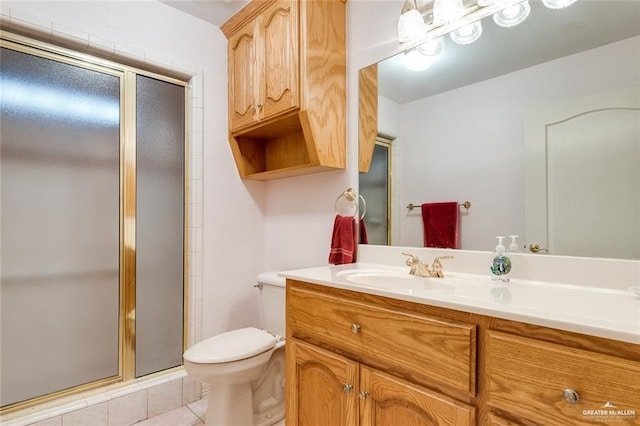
(544, 36)
(212, 11)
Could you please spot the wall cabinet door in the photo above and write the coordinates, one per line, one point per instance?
(389, 401)
(322, 388)
(243, 70)
(278, 79)
(263, 66)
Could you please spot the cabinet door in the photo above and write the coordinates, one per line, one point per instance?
(242, 74)
(278, 59)
(322, 387)
(389, 401)
(556, 385)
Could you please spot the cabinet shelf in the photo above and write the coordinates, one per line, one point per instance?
(278, 149)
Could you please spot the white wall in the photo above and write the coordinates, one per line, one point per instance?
(468, 143)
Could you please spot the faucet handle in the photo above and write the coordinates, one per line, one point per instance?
(437, 265)
(412, 260)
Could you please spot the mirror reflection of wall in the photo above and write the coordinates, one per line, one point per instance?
(467, 142)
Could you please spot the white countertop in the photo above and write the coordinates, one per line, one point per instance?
(608, 313)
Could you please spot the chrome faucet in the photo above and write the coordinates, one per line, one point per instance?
(421, 269)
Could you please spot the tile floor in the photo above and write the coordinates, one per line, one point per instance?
(189, 415)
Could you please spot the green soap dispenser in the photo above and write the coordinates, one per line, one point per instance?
(500, 263)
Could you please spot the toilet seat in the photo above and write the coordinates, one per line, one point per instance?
(231, 346)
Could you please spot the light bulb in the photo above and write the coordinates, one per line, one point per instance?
(416, 61)
(410, 23)
(512, 15)
(446, 11)
(467, 34)
(432, 47)
(558, 4)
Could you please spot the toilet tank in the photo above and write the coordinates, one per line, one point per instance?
(272, 302)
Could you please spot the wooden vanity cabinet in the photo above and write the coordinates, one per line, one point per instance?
(287, 87)
(356, 357)
(379, 358)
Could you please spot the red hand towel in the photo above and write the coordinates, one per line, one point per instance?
(343, 240)
(440, 224)
(363, 233)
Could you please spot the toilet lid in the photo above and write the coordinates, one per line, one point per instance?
(231, 346)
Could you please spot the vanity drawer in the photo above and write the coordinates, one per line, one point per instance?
(408, 344)
(527, 377)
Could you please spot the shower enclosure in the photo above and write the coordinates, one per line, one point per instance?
(92, 169)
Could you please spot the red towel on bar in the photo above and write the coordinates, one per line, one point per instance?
(440, 224)
(343, 240)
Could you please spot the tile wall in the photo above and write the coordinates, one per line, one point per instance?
(115, 405)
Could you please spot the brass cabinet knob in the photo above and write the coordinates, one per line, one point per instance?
(259, 106)
(364, 395)
(348, 388)
(355, 328)
(571, 396)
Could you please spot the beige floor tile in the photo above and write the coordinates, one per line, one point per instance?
(199, 407)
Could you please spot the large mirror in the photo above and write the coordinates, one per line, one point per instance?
(537, 126)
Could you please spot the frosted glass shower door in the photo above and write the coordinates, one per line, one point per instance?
(160, 225)
(59, 159)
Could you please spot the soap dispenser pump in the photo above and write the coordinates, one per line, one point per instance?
(513, 247)
(500, 263)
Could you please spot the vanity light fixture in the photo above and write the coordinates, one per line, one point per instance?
(467, 34)
(410, 23)
(506, 13)
(512, 15)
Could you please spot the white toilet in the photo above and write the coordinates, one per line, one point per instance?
(245, 368)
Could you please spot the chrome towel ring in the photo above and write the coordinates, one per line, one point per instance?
(350, 195)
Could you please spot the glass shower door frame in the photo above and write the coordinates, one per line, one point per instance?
(127, 204)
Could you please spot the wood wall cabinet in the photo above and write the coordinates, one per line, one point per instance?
(287, 79)
(372, 360)
(263, 72)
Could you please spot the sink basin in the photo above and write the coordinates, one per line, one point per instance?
(392, 280)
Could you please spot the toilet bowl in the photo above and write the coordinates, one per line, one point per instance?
(244, 368)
